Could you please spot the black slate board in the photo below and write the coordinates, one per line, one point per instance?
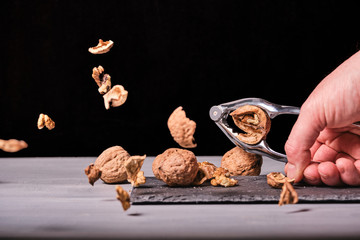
(251, 189)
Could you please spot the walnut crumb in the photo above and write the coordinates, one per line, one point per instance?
(124, 197)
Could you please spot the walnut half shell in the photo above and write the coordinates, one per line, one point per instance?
(253, 121)
(115, 97)
(181, 128)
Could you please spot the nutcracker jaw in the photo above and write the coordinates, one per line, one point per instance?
(220, 113)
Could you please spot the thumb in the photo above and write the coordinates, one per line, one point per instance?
(302, 137)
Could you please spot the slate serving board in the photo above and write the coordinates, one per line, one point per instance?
(251, 189)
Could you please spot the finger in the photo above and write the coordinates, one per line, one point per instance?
(324, 153)
(311, 174)
(329, 174)
(348, 172)
(348, 143)
(302, 137)
(314, 148)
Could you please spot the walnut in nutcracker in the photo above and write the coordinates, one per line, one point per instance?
(240, 162)
(253, 121)
(176, 167)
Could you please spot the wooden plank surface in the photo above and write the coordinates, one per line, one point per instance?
(51, 198)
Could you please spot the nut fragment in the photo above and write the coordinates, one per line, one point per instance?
(102, 47)
(240, 162)
(45, 120)
(206, 172)
(102, 80)
(181, 128)
(277, 179)
(288, 194)
(132, 167)
(176, 167)
(253, 121)
(12, 145)
(93, 173)
(124, 197)
(222, 177)
(115, 97)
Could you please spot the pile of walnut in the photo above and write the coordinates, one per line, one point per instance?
(179, 167)
(288, 194)
(115, 96)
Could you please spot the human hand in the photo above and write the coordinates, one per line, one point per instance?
(324, 145)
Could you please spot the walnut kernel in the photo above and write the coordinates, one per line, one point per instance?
(124, 197)
(277, 179)
(132, 166)
(12, 145)
(288, 194)
(240, 162)
(93, 173)
(102, 80)
(115, 97)
(181, 128)
(205, 172)
(102, 47)
(222, 177)
(253, 121)
(45, 120)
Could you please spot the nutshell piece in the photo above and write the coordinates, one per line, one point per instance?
(45, 120)
(124, 197)
(181, 128)
(93, 173)
(12, 145)
(253, 121)
(277, 179)
(222, 177)
(206, 171)
(240, 162)
(102, 80)
(132, 167)
(102, 47)
(288, 194)
(176, 167)
(115, 97)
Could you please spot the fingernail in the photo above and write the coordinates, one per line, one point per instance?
(291, 171)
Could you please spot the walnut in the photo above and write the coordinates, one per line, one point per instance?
(102, 80)
(181, 128)
(288, 194)
(222, 177)
(102, 47)
(240, 162)
(124, 197)
(277, 179)
(12, 145)
(205, 172)
(115, 97)
(45, 120)
(132, 167)
(111, 165)
(176, 167)
(253, 121)
(93, 173)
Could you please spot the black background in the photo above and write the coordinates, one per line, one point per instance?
(194, 54)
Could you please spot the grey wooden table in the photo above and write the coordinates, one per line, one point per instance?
(51, 198)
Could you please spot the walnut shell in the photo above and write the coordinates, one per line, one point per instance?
(253, 121)
(240, 162)
(277, 179)
(111, 164)
(176, 167)
(181, 128)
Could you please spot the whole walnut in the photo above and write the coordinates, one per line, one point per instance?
(240, 162)
(111, 164)
(176, 167)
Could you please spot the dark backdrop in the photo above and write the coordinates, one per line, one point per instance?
(194, 54)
